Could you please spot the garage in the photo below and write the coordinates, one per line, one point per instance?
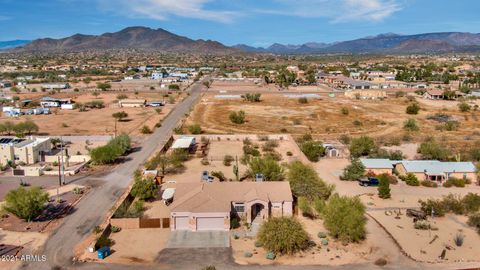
(181, 223)
(210, 224)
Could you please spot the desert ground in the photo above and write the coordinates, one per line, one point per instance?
(98, 121)
(323, 118)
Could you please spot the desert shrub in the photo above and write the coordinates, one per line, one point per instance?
(195, 129)
(423, 225)
(391, 178)
(218, 174)
(429, 149)
(410, 125)
(110, 152)
(471, 201)
(474, 221)
(306, 208)
(464, 107)
(237, 117)
(115, 229)
(234, 223)
(428, 183)
(431, 204)
(413, 108)
(302, 100)
(305, 182)
(289, 153)
(25, 203)
(283, 235)
(250, 150)
(144, 189)
(456, 182)
(345, 111)
(270, 146)
(453, 203)
(145, 130)
(354, 171)
(344, 218)
(312, 150)
(411, 180)
(383, 187)
(270, 168)
(361, 146)
(380, 262)
(274, 155)
(458, 239)
(227, 160)
(252, 97)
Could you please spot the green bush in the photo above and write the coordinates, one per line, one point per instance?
(428, 183)
(26, 204)
(344, 218)
(471, 201)
(110, 152)
(144, 189)
(234, 223)
(354, 171)
(413, 108)
(431, 204)
(283, 235)
(237, 117)
(195, 129)
(411, 180)
(145, 130)
(362, 146)
(457, 182)
(474, 221)
(270, 168)
(303, 100)
(384, 187)
(219, 174)
(250, 150)
(429, 149)
(305, 207)
(313, 150)
(305, 182)
(322, 235)
(410, 125)
(227, 160)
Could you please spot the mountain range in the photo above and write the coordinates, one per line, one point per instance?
(161, 40)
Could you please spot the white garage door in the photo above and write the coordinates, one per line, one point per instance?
(210, 224)
(181, 223)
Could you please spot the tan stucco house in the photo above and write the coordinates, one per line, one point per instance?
(209, 206)
(26, 151)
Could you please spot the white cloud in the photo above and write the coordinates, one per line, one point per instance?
(337, 10)
(163, 9)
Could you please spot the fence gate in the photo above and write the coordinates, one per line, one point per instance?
(150, 223)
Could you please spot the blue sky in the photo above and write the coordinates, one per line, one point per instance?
(253, 22)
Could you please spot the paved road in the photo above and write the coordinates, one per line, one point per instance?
(92, 209)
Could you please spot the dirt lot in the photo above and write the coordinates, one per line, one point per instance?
(232, 145)
(323, 118)
(97, 121)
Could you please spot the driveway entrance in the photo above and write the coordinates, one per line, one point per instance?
(204, 239)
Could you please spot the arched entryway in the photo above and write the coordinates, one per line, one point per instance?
(258, 212)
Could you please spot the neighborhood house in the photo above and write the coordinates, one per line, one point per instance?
(26, 151)
(209, 206)
(433, 170)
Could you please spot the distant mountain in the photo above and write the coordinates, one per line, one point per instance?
(12, 44)
(386, 43)
(128, 38)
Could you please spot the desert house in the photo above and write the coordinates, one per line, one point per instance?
(56, 86)
(433, 170)
(23, 151)
(132, 103)
(209, 206)
(378, 166)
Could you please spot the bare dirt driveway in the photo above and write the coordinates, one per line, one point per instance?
(92, 210)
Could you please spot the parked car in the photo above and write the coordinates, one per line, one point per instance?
(368, 181)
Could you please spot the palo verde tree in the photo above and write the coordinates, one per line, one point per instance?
(270, 168)
(120, 115)
(25, 203)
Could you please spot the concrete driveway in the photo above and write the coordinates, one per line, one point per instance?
(204, 239)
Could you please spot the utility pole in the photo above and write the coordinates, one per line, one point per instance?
(62, 162)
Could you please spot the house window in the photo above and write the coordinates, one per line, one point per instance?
(239, 208)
